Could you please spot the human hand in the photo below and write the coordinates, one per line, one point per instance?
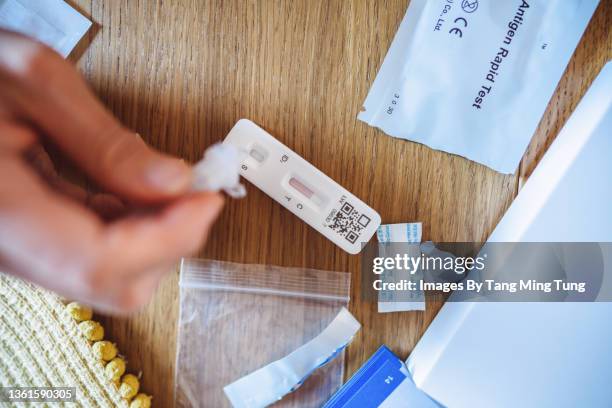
(54, 233)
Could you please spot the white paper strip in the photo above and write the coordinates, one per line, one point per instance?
(270, 383)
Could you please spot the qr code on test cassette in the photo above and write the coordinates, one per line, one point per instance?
(349, 222)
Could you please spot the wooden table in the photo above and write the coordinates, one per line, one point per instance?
(182, 72)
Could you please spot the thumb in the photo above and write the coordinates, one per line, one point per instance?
(129, 167)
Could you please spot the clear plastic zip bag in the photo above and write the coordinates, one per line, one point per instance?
(237, 318)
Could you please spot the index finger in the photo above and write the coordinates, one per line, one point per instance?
(42, 88)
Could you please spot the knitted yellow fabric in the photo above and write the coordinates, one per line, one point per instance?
(41, 345)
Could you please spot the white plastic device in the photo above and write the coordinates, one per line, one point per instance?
(302, 188)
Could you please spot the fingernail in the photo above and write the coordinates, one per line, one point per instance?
(171, 176)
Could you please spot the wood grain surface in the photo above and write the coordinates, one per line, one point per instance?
(182, 72)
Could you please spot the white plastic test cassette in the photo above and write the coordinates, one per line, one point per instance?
(302, 188)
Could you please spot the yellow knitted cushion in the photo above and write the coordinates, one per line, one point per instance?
(41, 346)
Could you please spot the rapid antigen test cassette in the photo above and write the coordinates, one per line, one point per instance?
(302, 188)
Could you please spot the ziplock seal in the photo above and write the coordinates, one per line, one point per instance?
(265, 279)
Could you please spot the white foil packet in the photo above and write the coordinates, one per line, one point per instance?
(52, 22)
(474, 77)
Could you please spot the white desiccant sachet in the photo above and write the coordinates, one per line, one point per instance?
(219, 170)
(52, 22)
(270, 383)
(389, 301)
